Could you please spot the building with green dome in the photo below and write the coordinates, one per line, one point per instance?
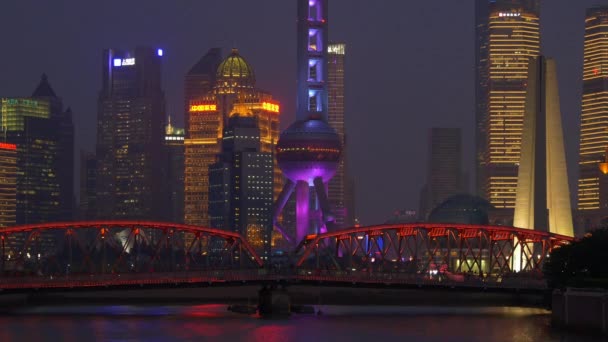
(233, 92)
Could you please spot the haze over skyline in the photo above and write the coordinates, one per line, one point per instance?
(410, 67)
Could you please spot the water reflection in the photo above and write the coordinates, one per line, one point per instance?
(162, 323)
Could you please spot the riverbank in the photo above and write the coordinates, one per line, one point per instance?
(581, 310)
(300, 295)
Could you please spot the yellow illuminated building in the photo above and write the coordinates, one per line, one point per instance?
(593, 182)
(234, 87)
(508, 36)
(8, 184)
(12, 109)
(201, 147)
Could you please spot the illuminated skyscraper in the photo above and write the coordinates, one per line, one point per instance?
(27, 123)
(507, 36)
(208, 115)
(543, 195)
(203, 129)
(130, 136)
(241, 183)
(8, 184)
(338, 185)
(174, 144)
(199, 81)
(593, 156)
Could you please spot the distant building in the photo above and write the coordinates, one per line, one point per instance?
(543, 194)
(65, 148)
(462, 209)
(507, 36)
(88, 187)
(338, 185)
(444, 169)
(27, 123)
(593, 154)
(130, 136)
(174, 144)
(403, 216)
(241, 183)
(8, 184)
(208, 116)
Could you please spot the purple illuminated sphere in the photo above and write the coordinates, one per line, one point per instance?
(309, 149)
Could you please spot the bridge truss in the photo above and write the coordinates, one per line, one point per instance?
(119, 247)
(132, 253)
(432, 249)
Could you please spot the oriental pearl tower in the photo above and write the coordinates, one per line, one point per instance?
(308, 152)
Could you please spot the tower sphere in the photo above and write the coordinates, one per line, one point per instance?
(309, 149)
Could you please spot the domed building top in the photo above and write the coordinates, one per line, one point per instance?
(235, 72)
(312, 129)
(463, 209)
(309, 149)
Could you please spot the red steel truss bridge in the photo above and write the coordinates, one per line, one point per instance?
(137, 253)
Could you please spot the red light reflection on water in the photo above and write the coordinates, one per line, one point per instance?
(206, 311)
(271, 333)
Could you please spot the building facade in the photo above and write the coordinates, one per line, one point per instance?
(130, 136)
(200, 79)
(338, 191)
(507, 36)
(65, 147)
(241, 183)
(593, 154)
(8, 184)
(27, 123)
(444, 170)
(174, 144)
(88, 187)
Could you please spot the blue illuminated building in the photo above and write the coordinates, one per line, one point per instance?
(309, 151)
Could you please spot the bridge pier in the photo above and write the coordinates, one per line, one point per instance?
(274, 302)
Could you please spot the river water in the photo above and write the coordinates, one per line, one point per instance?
(336, 323)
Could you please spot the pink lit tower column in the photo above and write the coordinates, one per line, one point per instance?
(309, 150)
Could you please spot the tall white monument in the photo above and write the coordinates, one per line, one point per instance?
(543, 195)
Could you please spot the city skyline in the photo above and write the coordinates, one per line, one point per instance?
(364, 132)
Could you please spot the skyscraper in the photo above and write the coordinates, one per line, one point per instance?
(27, 123)
(241, 183)
(88, 188)
(200, 79)
(130, 136)
(65, 147)
(207, 118)
(543, 195)
(174, 144)
(444, 170)
(338, 185)
(8, 184)
(507, 36)
(593, 155)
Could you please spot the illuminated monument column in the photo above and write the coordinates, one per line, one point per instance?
(309, 150)
(543, 196)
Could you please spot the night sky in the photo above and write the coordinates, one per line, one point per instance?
(410, 67)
